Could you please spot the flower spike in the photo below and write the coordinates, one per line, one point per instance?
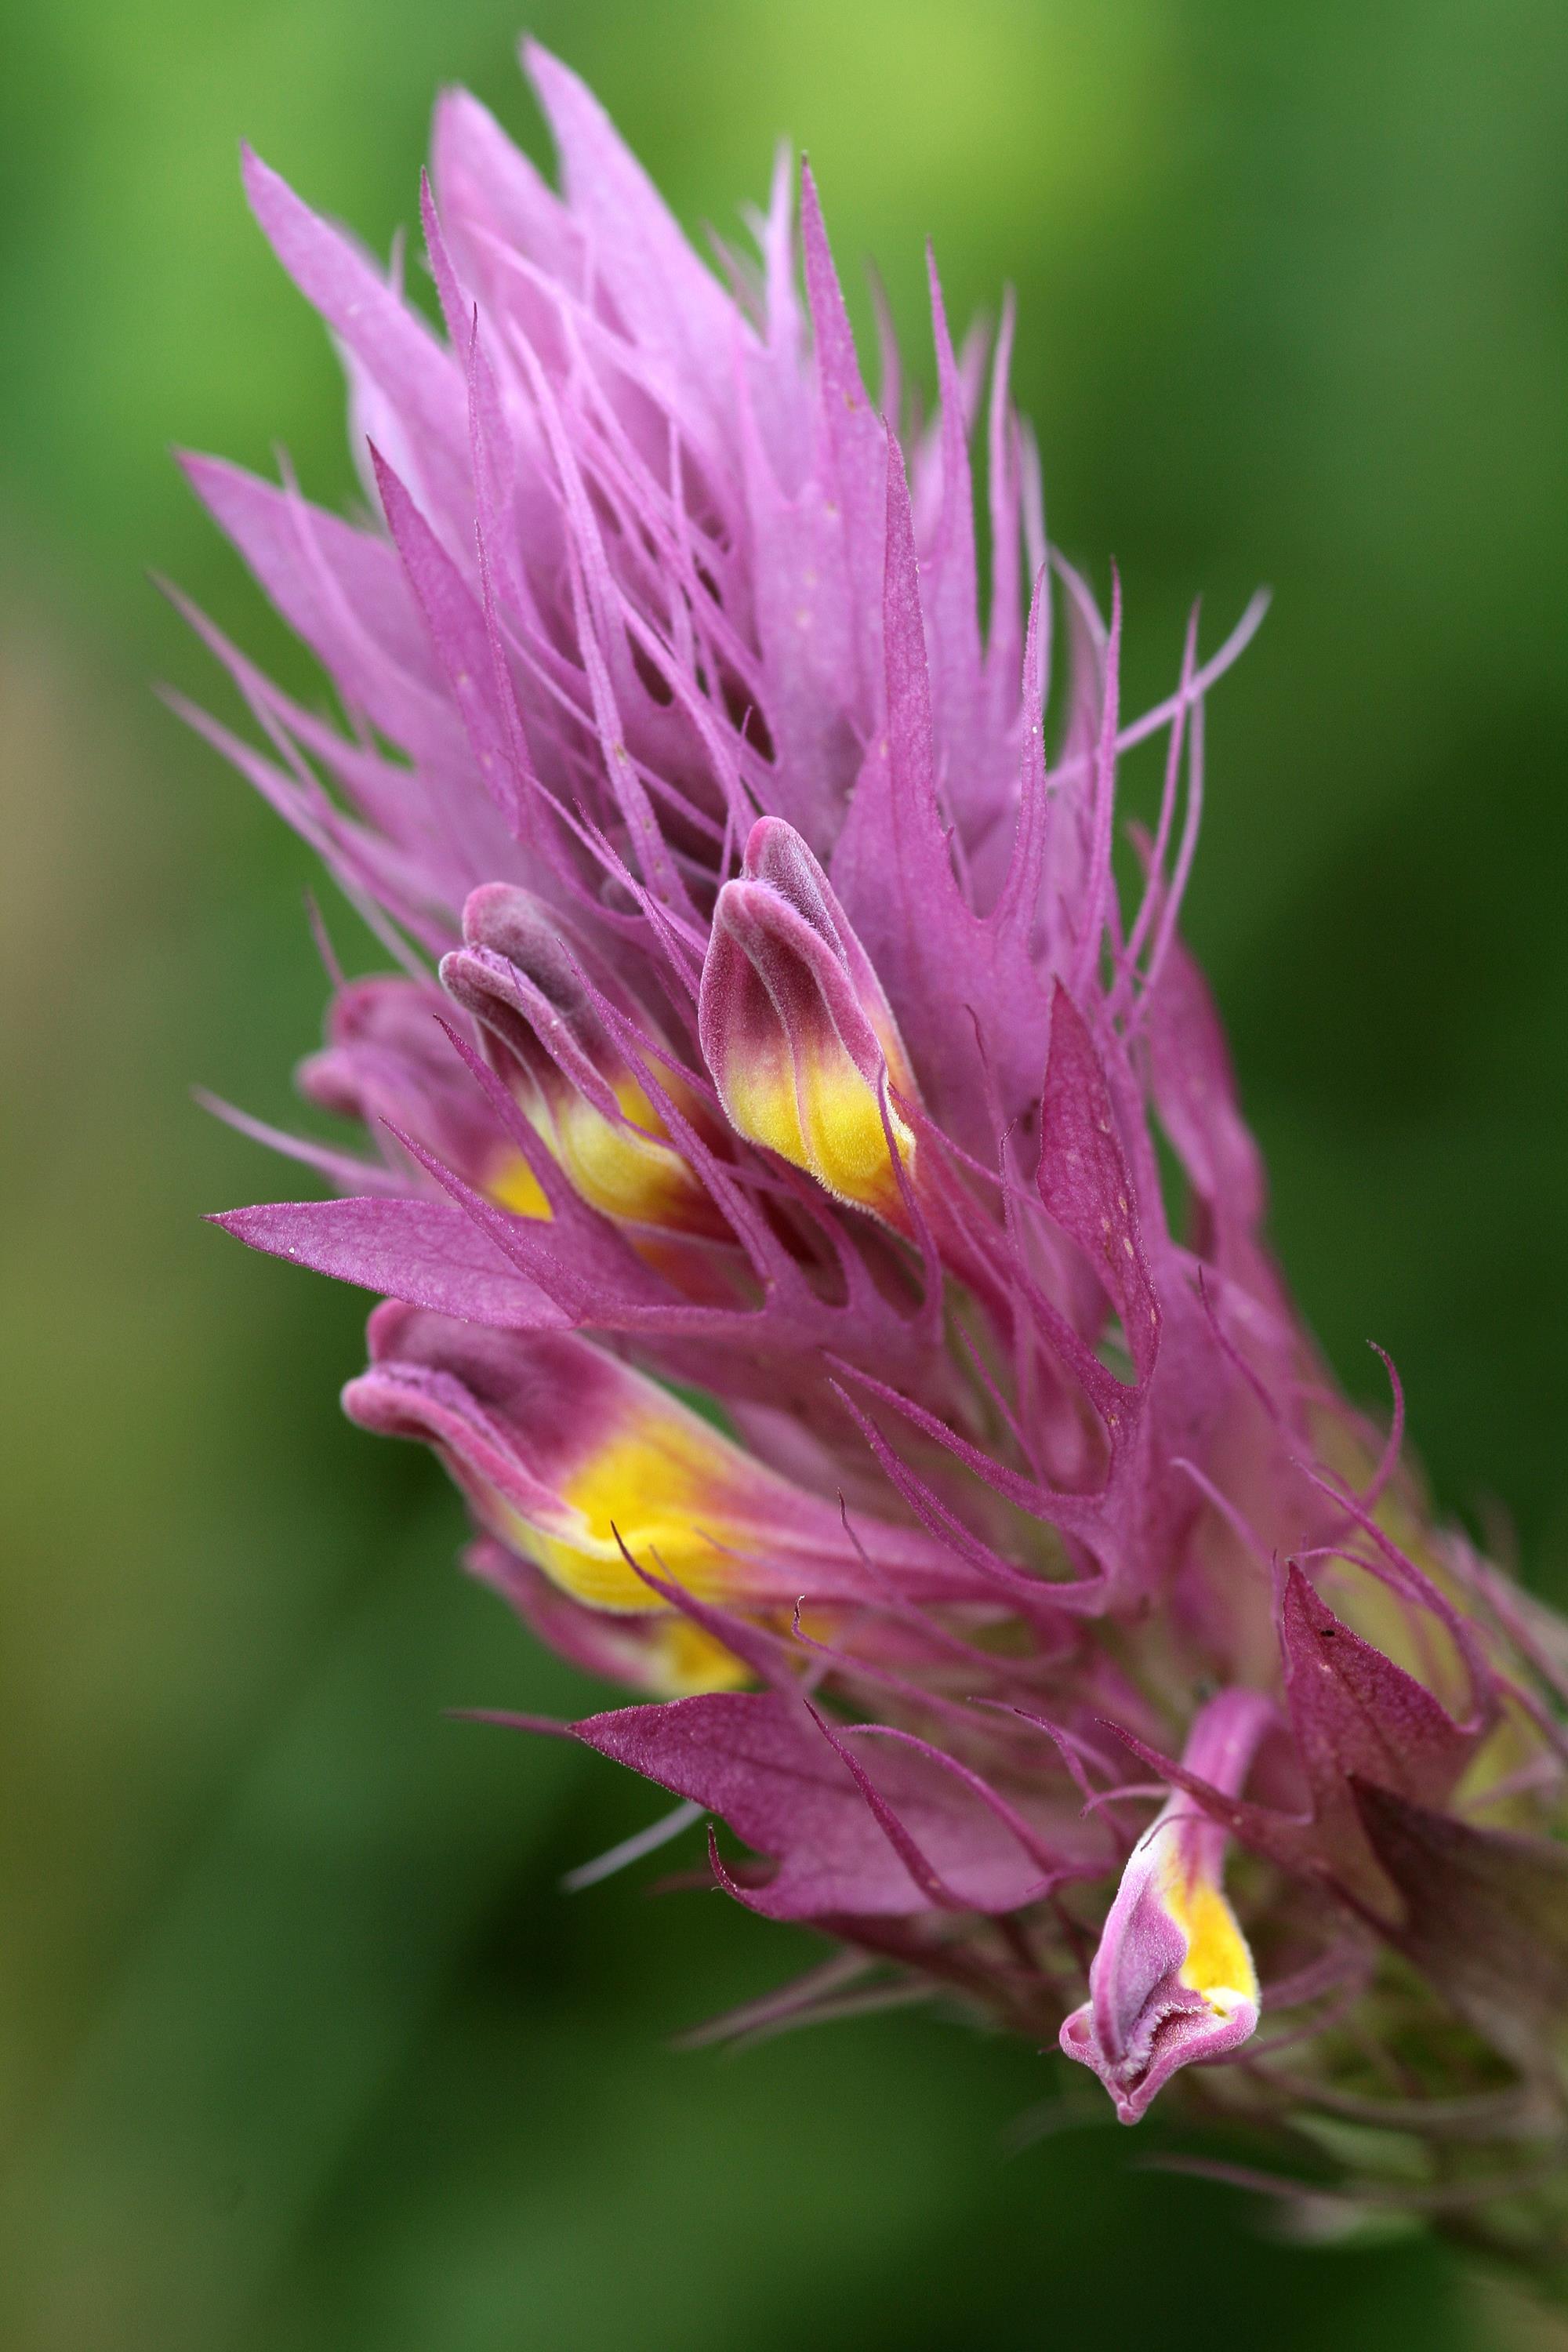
(814, 1219)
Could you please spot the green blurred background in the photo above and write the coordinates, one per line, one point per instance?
(300, 2043)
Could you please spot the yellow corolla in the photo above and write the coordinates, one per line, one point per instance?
(627, 1172)
(1218, 1964)
(797, 1030)
(812, 1108)
(667, 1488)
(687, 1660)
(513, 1185)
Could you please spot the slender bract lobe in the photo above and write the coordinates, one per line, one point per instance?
(812, 1215)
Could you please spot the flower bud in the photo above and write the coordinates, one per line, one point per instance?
(527, 989)
(796, 1030)
(1173, 1981)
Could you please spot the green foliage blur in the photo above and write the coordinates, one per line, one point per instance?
(302, 2045)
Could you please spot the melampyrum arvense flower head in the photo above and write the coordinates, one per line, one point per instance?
(815, 1224)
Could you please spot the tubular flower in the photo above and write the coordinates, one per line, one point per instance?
(814, 1221)
(1173, 1979)
(795, 1028)
(522, 985)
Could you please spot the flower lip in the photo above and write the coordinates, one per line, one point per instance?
(524, 980)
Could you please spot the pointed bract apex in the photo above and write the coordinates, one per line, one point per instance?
(796, 1030)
